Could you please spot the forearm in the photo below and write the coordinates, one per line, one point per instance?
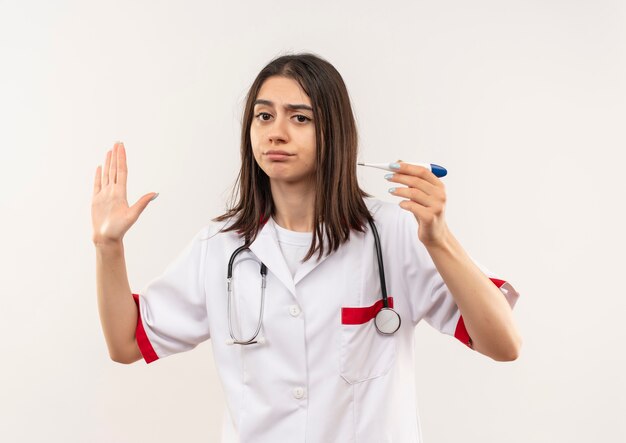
(486, 313)
(118, 312)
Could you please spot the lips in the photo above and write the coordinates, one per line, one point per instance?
(277, 155)
(274, 151)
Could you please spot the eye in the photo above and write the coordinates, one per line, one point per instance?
(261, 114)
(302, 118)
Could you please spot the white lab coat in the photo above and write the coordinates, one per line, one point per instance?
(315, 379)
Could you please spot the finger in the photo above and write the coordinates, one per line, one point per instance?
(415, 208)
(105, 171)
(141, 204)
(113, 168)
(413, 182)
(96, 181)
(413, 194)
(418, 171)
(122, 171)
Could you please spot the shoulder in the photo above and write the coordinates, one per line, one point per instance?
(399, 232)
(213, 231)
(389, 214)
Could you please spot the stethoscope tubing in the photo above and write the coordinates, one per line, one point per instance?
(263, 271)
(229, 279)
(381, 268)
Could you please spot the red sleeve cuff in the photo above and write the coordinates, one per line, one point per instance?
(461, 333)
(147, 351)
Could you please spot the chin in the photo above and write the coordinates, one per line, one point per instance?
(286, 178)
(283, 178)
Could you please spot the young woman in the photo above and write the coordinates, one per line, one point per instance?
(309, 288)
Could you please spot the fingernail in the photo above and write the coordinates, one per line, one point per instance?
(392, 190)
(394, 166)
(156, 195)
(388, 176)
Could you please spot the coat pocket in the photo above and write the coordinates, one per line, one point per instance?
(365, 352)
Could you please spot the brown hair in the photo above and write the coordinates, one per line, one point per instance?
(339, 205)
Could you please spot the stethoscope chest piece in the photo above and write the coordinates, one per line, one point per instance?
(387, 321)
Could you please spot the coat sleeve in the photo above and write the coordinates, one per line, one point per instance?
(172, 307)
(429, 297)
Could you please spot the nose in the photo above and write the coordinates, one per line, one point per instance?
(277, 132)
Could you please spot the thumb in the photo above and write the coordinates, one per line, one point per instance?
(142, 203)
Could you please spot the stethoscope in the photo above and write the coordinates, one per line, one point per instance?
(387, 321)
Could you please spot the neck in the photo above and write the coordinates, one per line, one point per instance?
(295, 205)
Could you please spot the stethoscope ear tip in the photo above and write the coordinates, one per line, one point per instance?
(230, 341)
(261, 340)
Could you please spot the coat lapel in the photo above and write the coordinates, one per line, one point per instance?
(267, 249)
(305, 268)
(308, 266)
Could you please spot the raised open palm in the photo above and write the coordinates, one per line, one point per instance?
(110, 214)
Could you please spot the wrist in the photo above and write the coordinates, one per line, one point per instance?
(106, 245)
(445, 241)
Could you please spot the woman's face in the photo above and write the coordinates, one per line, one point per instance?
(282, 132)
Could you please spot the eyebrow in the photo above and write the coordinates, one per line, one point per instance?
(287, 106)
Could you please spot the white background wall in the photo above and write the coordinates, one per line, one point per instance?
(523, 101)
